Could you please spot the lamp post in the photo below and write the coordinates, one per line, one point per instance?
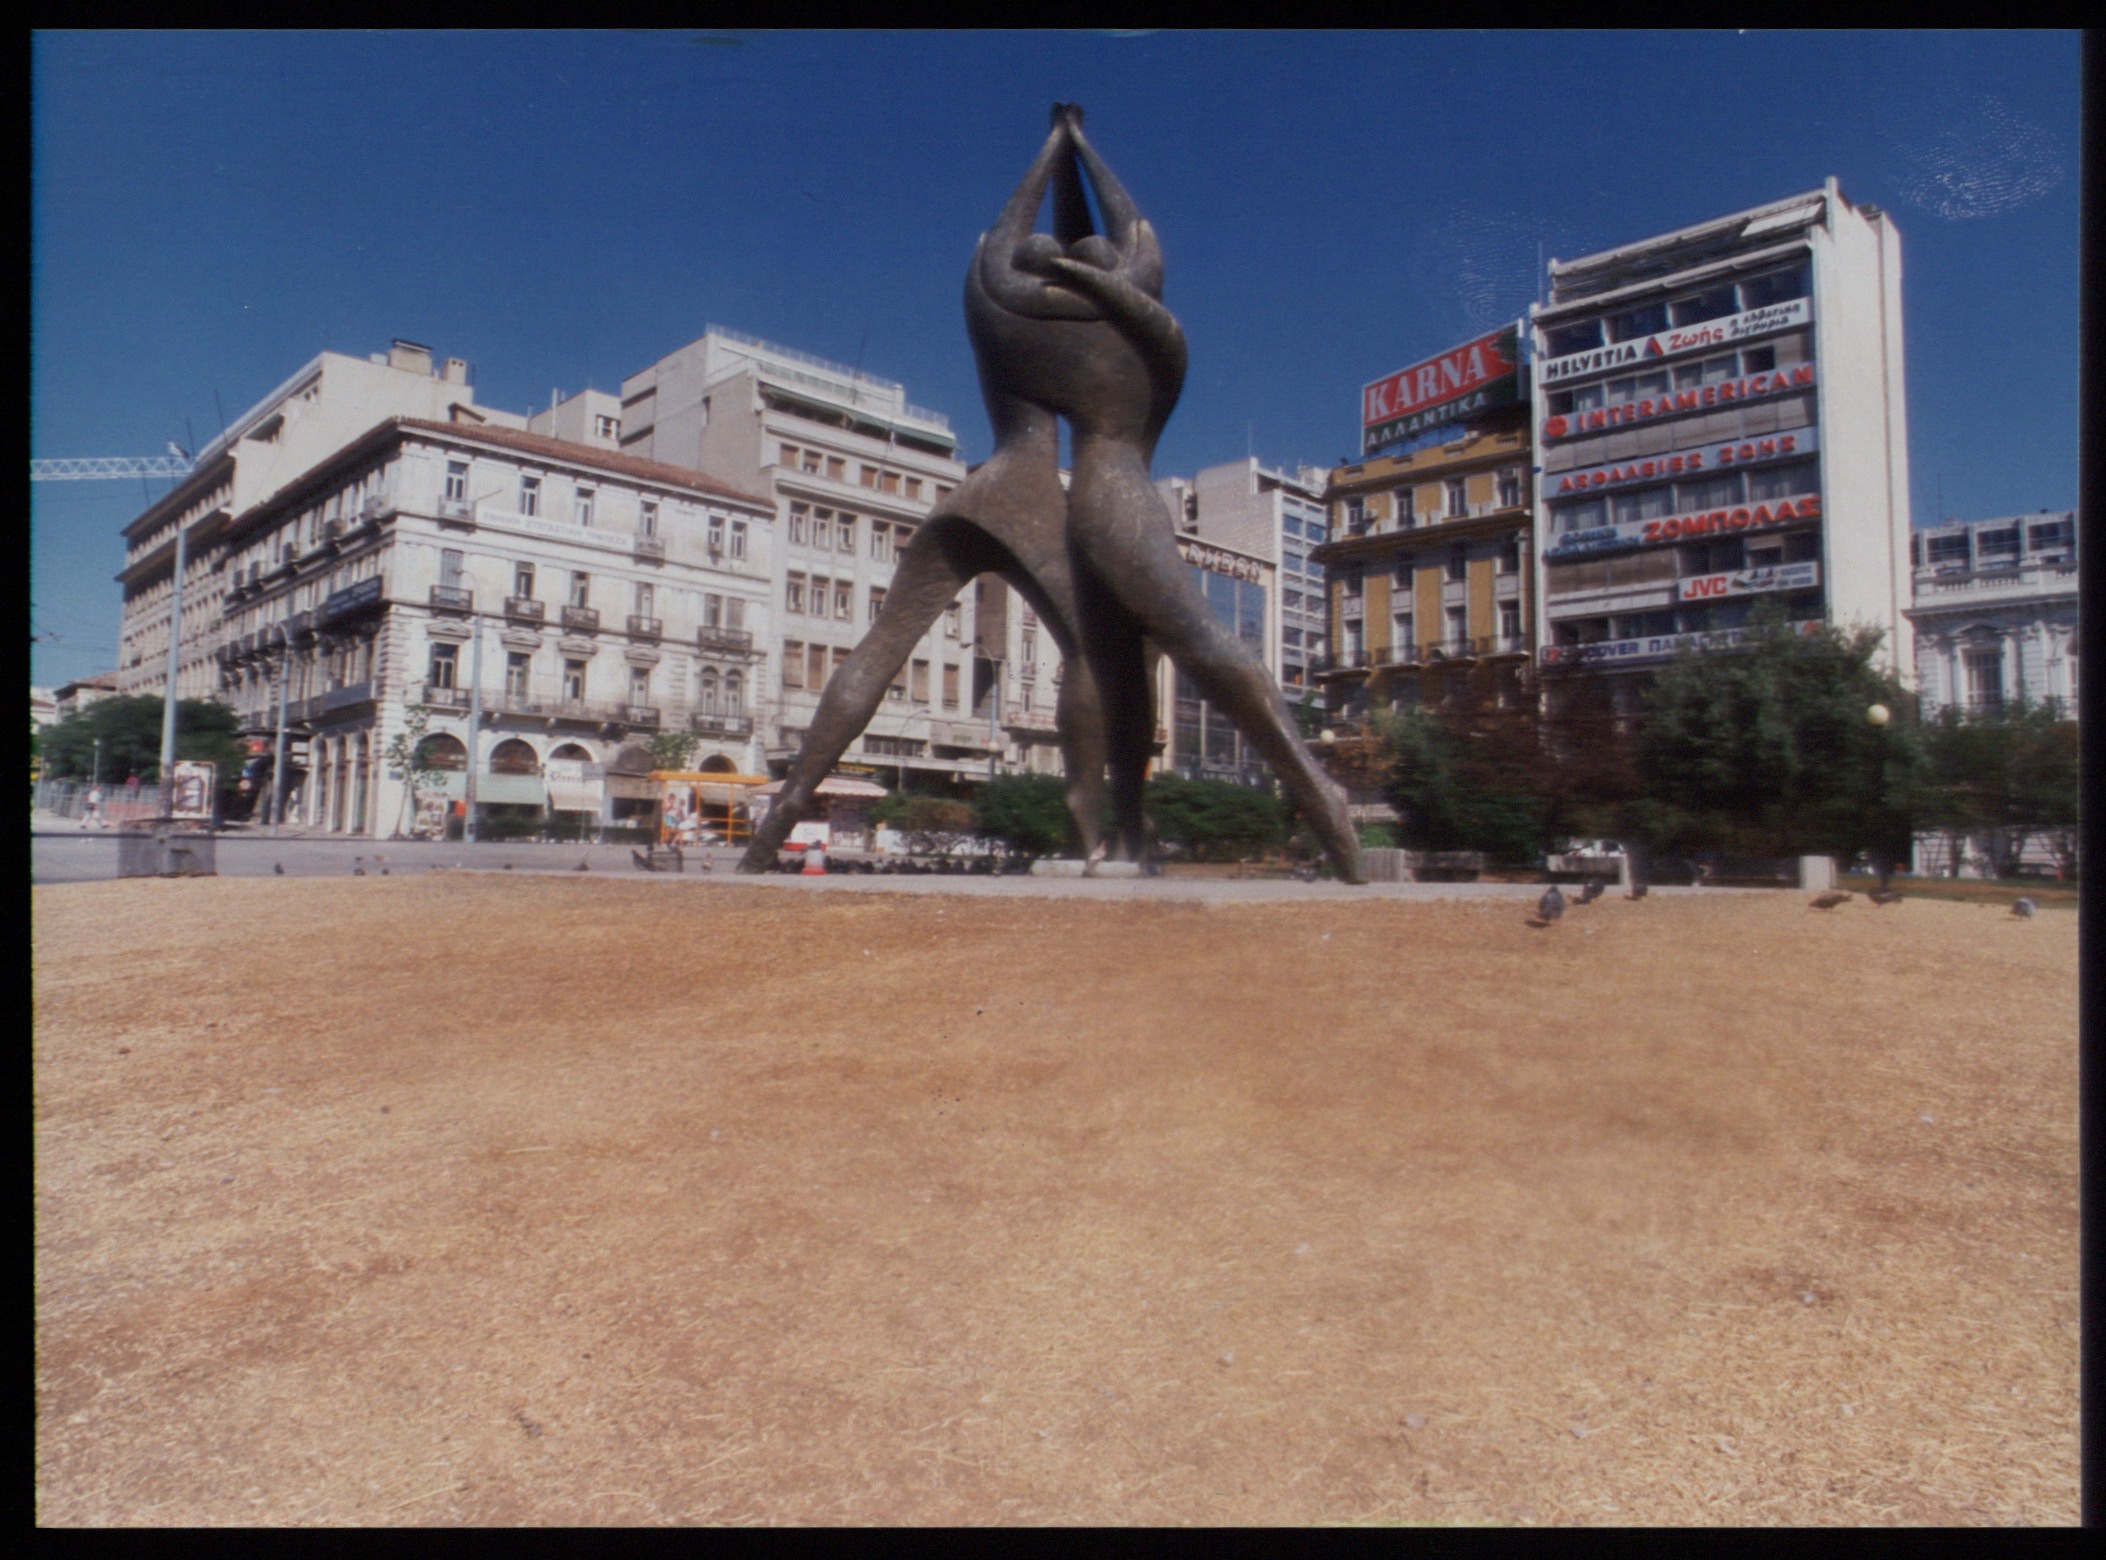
(175, 648)
(278, 752)
(475, 726)
(1877, 716)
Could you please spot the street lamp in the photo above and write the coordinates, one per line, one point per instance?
(278, 753)
(1877, 716)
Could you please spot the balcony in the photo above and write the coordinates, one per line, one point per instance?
(582, 620)
(645, 627)
(457, 511)
(525, 609)
(710, 725)
(639, 714)
(452, 598)
(725, 641)
(438, 698)
(300, 626)
(651, 547)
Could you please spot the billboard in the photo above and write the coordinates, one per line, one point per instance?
(1726, 456)
(1748, 582)
(1456, 386)
(1673, 343)
(191, 797)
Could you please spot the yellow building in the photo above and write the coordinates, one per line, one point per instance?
(1429, 575)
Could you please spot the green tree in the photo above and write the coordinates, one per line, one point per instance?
(1216, 820)
(1027, 813)
(1771, 751)
(930, 825)
(130, 730)
(1459, 788)
(674, 749)
(2005, 777)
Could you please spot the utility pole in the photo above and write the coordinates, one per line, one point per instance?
(475, 726)
(168, 707)
(278, 758)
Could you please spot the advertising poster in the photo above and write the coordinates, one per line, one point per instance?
(191, 797)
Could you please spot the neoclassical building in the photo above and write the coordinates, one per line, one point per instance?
(1995, 611)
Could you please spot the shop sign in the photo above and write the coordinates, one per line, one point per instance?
(1215, 561)
(1682, 528)
(1714, 457)
(1458, 384)
(1674, 343)
(1654, 647)
(1727, 392)
(1750, 582)
(350, 599)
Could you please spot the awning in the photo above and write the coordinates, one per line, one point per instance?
(511, 790)
(832, 785)
(575, 795)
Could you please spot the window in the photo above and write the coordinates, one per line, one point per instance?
(644, 598)
(845, 534)
(836, 468)
(1777, 287)
(793, 593)
(457, 482)
(445, 666)
(868, 475)
(844, 601)
(1356, 514)
(716, 535)
(518, 668)
(897, 692)
(523, 580)
(706, 691)
(953, 621)
(639, 685)
(1568, 339)
(735, 612)
(1458, 503)
(792, 663)
(581, 508)
(581, 590)
(1781, 482)
(1634, 323)
(800, 524)
(605, 427)
(574, 680)
(880, 541)
(450, 567)
(889, 482)
(788, 456)
(1709, 492)
(1589, 398)
(1704, 306)
(530, 495)
(738, 538)
(815, 667)
(1458, 562)
(810, 461)
(1510, 488)
(1758, 360)
(823, 529)
(1646, 504)
(1030, 647)
(734, 694)
(712, 610)
(1510, 555)
(950, 687)
(914, 487)
(1985, 679)
(650, 517)
(920, 686)
(1349, 582)
(1510, 623)
(1401, 628)
(877, 602)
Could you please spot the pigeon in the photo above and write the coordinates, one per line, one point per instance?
(643, 862)
(358, 866)
(2023, 907)
(584, 866)
(1591, 892)
(1830, 901)
(1884, 896)
(1637, 891)
(1551, 905)
(278, 867)
(508, 866)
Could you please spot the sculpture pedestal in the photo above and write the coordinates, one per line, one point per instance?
(1072, 866)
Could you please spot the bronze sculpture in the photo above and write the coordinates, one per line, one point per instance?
(1071, 323)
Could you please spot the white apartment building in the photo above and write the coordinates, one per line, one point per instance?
(579, 601)
(850, 469)
(332, 400)
(1996, 612)
(1720, 417)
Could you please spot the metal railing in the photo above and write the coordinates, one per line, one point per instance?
(712, 725)
(645, 627)
(650, 547)
(586, 620)
(525, 609)
(736, 640)
(452, 598)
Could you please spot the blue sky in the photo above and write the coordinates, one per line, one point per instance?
(211, 209)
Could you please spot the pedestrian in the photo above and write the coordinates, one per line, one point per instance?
(815, 860)
(92, 816)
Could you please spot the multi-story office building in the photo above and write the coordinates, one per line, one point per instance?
(1197, 740)
(1275, 516)
(1995, 613)
(850, 470)
(1720, 419)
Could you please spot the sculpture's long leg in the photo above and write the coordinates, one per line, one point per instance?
(927, 579)
(1113, 648)
(1134, 558)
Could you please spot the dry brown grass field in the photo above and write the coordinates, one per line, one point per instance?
(476, 1200)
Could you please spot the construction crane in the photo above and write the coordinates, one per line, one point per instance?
(176, 463)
